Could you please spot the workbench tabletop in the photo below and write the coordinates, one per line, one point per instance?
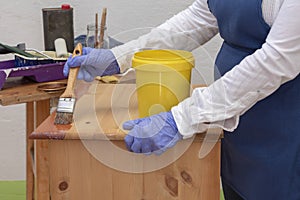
(22, 91)
(100, 110)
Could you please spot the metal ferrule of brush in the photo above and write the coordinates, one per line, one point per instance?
(66, 105)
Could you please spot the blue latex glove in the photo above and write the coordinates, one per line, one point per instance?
(93, 62)
(154, 134)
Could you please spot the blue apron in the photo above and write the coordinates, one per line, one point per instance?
(261, 159)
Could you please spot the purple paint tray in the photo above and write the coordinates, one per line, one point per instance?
(38, 73)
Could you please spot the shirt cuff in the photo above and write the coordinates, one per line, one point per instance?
(190, 118)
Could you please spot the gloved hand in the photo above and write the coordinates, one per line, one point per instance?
(154, 134)
(93, 62)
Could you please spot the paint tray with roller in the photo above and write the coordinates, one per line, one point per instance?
(38, 66)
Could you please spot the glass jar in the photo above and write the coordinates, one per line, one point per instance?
(92, 33)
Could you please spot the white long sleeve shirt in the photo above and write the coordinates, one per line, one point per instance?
(254, 78)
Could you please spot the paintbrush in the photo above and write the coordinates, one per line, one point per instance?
(66, 102)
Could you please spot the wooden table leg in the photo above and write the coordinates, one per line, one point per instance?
(29, 149)
(42, 154)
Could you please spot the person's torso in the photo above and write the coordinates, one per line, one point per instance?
(263, 153)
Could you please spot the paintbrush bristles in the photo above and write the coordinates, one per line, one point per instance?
(65, 108)
(63, 118)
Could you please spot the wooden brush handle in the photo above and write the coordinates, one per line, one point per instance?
(72, 73)
(96, 45)
(102, 27)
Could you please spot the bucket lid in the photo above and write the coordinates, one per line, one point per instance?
(167, 57)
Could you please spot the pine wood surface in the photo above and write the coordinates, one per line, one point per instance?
(76, 154)
(41, 156)
(16, 91)
(93, 114)
(99, 113)
(76, 174)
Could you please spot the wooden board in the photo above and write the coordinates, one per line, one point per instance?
(23, 91)
(100, 111)
(76, 174)
(99, 114)
(88, 159)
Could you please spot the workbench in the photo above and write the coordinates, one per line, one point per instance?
(88, 158)
(23, 90)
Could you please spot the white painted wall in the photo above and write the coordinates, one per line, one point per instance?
(21, 21)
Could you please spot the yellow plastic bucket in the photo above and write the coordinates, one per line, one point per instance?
(162, 79)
